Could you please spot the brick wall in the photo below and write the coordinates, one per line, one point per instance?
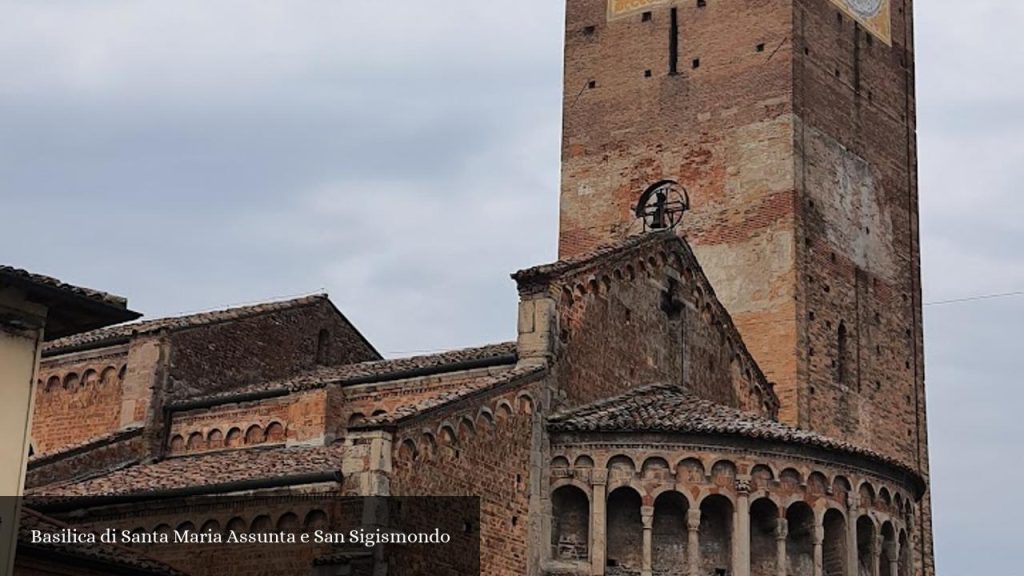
(859, 253)
(724, 130)
(102, 455)
(78, 398)
(477, 448)
(264, 347)
(795, 136)
(645, 315)
(354, 404)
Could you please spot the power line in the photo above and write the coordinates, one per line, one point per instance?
(976, 298)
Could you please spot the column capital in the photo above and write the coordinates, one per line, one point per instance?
(599, 477)
(648, 522)
(781, 529)
(743, 486)
(852, 502)
(818, 535)
(647, 512)
(693, 520)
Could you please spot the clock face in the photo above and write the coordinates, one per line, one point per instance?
(865, 8)
(874, 15)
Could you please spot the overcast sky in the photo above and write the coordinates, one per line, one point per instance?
(403, 156)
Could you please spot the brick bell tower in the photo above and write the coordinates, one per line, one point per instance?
(792, 125)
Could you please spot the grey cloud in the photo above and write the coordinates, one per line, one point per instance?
(404, 156)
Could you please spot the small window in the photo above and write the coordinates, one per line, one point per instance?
(842, 364)
(323, 347)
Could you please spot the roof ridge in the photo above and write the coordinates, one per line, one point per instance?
(580, 260)
(688, 413)
(182, 321)
(344, 373)
(618, 399)
(91, 293)
(452, 396)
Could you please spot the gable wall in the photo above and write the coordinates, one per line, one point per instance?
(648, 315)
(478, 447)
(228, 355)
(78, 398)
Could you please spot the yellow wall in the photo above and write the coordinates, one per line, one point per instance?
(19, 358)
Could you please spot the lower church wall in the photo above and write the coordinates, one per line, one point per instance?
(477, 448)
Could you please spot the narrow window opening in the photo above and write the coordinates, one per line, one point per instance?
(702, 3)
(673, 43)
(646, 17)
(592, 84)
(696, 63)
(841, 366)
(760, 47)
(589, 31)
(856, 58)
(647, 73)
(323, 347)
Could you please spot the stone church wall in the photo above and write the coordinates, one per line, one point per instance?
(481, 447)
(78, 398)
(262, 348)
(648, 315)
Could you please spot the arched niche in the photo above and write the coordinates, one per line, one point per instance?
(625, 530)
(716, 515)
(570, 524)
(764, 525)
(669, 534)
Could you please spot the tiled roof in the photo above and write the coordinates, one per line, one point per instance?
(86, 446)
(204, 470)
(670, 408)
(385, 369)
(111, 555)
(451, 396)
(578, 261)
(102, 297)
(179, 322)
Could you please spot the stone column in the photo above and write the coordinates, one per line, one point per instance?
(741, 530)
(598, 523)
(876, 554)
(781, 533)
(892, 550)
(819, 539)
(693, 542)
(852, 557)
(647, 516)
(909, 553)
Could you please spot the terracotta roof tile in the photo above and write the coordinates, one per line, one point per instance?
(203, 470)
(178, 322)
(670, 408)
(451, 396)
(87, 445)
(393, 369)
(578, 261)
(108, 554)
(98, 296)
